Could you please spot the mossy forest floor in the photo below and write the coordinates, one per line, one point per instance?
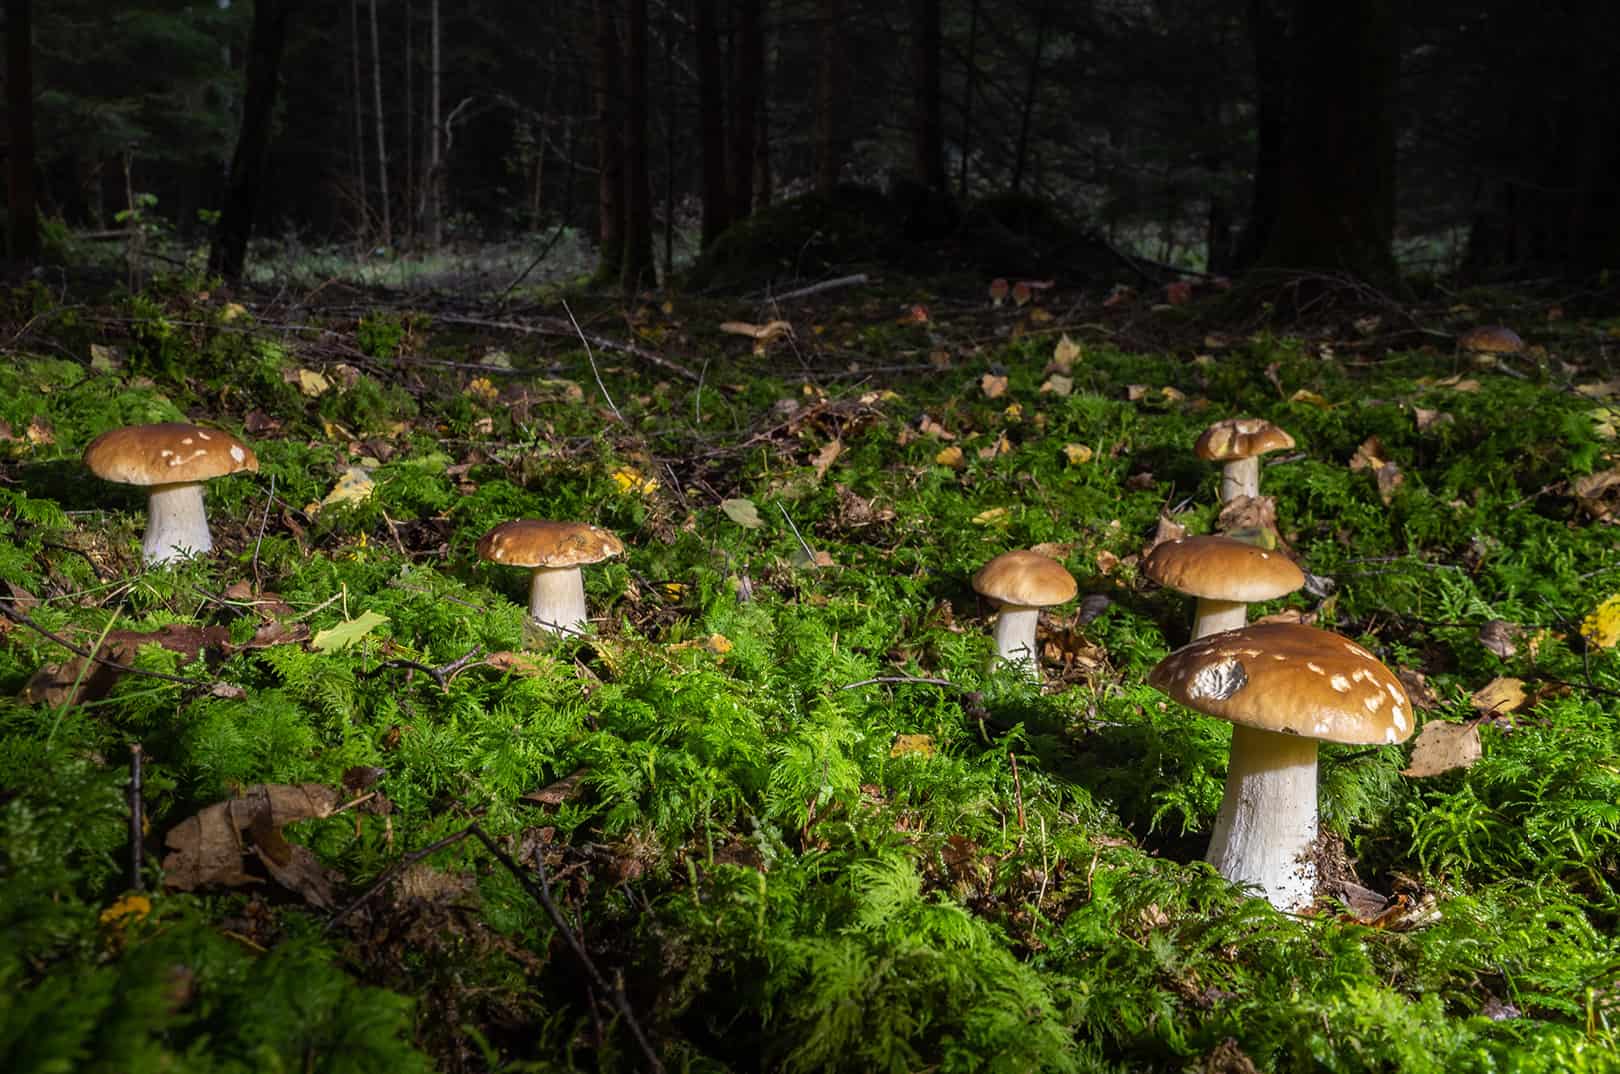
(788, 816)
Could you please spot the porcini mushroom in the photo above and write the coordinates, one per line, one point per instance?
(1484, 343)
(1225, 574)
(1022, 583)
(171, 460)
(1284, 687)
(555, 551)
(1238, 443)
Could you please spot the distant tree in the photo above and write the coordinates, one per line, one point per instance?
(1032, 85)
(607, 86)
(1336, 197)
(636, 267)
(22, 224)
(711, 119)
(928, 122)
(381, 119)
(830, 94)
(228, 254)
(1268, 36)
(747, 90)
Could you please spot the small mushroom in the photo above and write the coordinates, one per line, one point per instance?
(1225, 574)
(172, 460)
(1238, 443)
(555, 551)
(1284, 687)
(1485, 343)
(1022, 583)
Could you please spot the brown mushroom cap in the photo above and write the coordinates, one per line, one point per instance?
(1025, 578)
(171, 453)
(1240, 438)
(1491, 339)
(1222, 568)
(529, 542)
(1292, 679)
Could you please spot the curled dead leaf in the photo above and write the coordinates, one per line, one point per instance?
(1443, 747)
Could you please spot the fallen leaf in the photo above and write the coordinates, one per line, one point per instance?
(1065, 354)
(308, 381)
(40, 432)
(912, 745)
(951, 456)
(1248, 513)
(1304, 395)
(993, 386)
(1057, 384)
(1602, 626)
(995, 516)
(827, 456)
(1000, 447)
(1428, 419)
(929, 427)
(1603, 389)
(1077, 454)
(1501, 694)
(347, 633)
(483, 389)
(1501, 637)
(216, 845)
(516, 663)
(743, 513)
(631, 481)
(1135, 393)
(1106, 561)
(354, 486)
(1443, 747)
(563, 790)
(1388, 478)
(54, 684)
(1369, 456)
(1166, 530)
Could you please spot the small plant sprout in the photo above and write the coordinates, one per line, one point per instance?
(1283, 687)
(1238, 443)
(555, 551)
(172, 460)
(1022, 583)
(1225, 574)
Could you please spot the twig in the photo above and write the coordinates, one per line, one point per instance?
(391, 872)
(1018, 787)
(824, 285)
(264, 521)
(137, 820)
(561, 329)
(530, 267)
(591, 358)
(22, 620)
(808, 553)
(899, 680)
(441, 674)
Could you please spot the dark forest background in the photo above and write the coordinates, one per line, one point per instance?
(1477, 139)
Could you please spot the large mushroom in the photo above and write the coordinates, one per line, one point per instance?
(1485, 343)
(1284, 687)
(555, 551)
(1225, 574)
(1022, 583)
(1238, 443)
(171, 460)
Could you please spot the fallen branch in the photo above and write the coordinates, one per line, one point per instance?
(824, 285)
(442, 674)
(551, 327)
(22, 620)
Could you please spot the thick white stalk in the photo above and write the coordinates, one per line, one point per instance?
(1265, 834)
(1240, 477)
(176, 524)
(557, 599)
(1015, 638)
(1214, 616)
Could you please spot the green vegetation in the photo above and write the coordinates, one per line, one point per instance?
(788, 865)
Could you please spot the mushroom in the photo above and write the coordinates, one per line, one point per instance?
(556, 551)
(1022, 583)
(172, 460)
(1284, 687)
(1485, 342)
(1225, 574)
(1239, 443)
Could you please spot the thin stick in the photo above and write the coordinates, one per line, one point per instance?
(391, 872)
(1018, 786)
(898, 680)
(824, 285)
(808, 554)
(591, 358)
(441, 674)
(23, 620)
(264, 520)
(137, 819)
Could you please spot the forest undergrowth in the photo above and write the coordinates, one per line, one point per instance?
(786, 814)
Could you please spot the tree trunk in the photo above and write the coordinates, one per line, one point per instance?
(928, 124)
(435, 176)
(265, 46)
(829, 156)
(637, 268)
(382, 140)
(363, 229)
(1032, 87)
(1336, 208)
(410, 182)
(969, 82)
(22, 224)
(606, 81)
(747, 89)
(711, 75)
(1268, 34)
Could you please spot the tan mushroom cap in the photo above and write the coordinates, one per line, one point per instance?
(170, 453)
(1292, 679)
(1240, 438)
(1222, 568)
(1025, 578)
(529, 542)
(1491, 339)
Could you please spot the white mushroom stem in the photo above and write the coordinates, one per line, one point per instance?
(557, 599)
(176, 523)
(1015, 638)
(1213, 616)
(1240, 477)
(1265, 834)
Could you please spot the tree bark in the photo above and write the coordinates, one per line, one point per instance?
(747, 89)
(969, 82)
(1268, 35)
(609, 144)
(382, 127)
(1032, 87)
(928, 124)
(829, 155)
(636, 267)
(1336, 206)
(435, 177)
(711, 120)
(22, 224)
(265, 46)
(363, 229)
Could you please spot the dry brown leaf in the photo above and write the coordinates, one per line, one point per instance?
(54, 683)
(1135, 393)
(1369, 456)
(1167, 530)
(993, 386)
(1388, 478)
(1501, 637)
(1248, 513)
(1000, 447)
(1057, 384)
(1501, 694)
(563, 790)
(929, 427)
(1417, 688)
(1106, 561)
(1064, 355)
(827, 456)
(1058, 550)
(216, 845)
(517, 663)
(40, 432)
(1443, 747)
(1428, 419)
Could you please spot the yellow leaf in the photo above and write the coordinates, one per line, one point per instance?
(483, 389)
(630, 481)
(1065, 353)
(130, 907)
(1602, 627)
(950, 456)
(1442, 747)
(355, 486)
(1013, 412)
(312, 383)
(1501, 694)
(995, 516)
(232, 311)
(1304, 395)
(912, 745)
(1000, 447)
(1077, 454)
(1039, 315)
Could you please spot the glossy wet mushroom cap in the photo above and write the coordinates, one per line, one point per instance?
(529, 542)
(1222, 568)
(1490, 339)
(1025, 578)
(1241, 438)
